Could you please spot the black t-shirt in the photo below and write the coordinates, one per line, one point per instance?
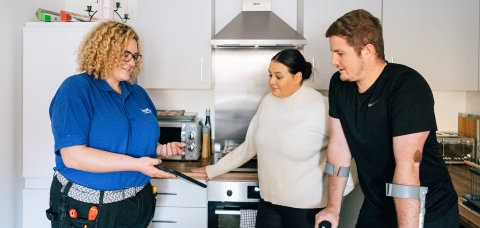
(400, 102)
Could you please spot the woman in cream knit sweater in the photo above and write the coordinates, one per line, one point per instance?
(289, 134)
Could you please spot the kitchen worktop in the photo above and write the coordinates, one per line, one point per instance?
(186, 166)
(461, 179)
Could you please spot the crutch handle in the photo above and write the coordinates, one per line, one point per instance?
(325, 224)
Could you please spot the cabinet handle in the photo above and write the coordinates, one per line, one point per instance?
(165, 221)
(201, 69)
(166, 193)
(227, 212)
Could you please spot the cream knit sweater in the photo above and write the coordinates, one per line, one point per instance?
(290, 137)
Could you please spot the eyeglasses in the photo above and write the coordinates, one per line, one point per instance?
(127, 56)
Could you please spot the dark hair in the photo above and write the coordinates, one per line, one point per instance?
(294, 60)
(359, 28)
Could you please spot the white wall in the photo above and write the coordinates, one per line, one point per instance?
(188, 100)
(79, 6)
(447, 106)
(10, 119)
(15, 14)
(473, 103)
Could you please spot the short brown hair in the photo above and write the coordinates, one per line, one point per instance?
(102, 48)
(359, 28)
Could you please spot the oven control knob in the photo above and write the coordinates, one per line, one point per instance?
(229, 193)
(191, 135)
(191, 147)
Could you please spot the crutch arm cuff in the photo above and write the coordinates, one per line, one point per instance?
(406, 191)
(342, 172)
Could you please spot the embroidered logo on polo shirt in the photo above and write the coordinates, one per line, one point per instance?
(146, 111)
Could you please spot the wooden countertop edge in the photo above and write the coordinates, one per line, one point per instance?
(465, 217)
(226, 176)
(185, 167)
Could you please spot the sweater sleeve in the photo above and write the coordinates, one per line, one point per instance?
(239, 156)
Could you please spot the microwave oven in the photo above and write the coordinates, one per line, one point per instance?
(186, 131)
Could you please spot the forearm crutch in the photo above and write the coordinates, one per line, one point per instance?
(410, 192)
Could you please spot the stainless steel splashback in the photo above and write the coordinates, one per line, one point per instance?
(241, 81)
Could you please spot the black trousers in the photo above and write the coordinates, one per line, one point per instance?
(134, 212)
(276, 216)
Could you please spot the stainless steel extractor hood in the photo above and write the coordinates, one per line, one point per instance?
(257, 26)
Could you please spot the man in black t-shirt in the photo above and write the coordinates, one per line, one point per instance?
(382, 115)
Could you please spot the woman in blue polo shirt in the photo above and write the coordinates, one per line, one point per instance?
(106, 137)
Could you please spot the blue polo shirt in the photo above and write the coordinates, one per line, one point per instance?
(86, 111)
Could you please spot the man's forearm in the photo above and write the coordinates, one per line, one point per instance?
(408, 211)
(336, 187)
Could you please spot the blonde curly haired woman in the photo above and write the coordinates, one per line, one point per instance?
(106, 136)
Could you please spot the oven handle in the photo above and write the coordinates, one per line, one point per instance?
(227, 212)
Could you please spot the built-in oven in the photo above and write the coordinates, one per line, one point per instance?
(228, 201)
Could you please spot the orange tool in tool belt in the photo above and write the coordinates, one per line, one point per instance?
(73, 213)
(92, 213)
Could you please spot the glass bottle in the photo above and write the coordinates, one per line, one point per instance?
(207, 118)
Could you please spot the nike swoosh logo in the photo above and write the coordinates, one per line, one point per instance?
(371, 104)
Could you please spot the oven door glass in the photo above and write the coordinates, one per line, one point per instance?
(227, 214)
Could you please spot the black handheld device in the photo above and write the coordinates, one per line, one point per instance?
(181, 175)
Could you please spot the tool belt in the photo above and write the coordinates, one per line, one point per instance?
(88, 195)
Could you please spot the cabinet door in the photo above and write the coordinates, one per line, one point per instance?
(437, 38)
(318, 16)
(179, 193)
(49, 56)
(175, 38)
(178, 217)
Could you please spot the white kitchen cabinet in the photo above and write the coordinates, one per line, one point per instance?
(318, 16)
(175, 38)
(437, 38)
(179, 204)
(35, 203)
(49, 56)
(178, 217)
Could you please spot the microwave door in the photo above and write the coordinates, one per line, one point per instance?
(172, 132)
